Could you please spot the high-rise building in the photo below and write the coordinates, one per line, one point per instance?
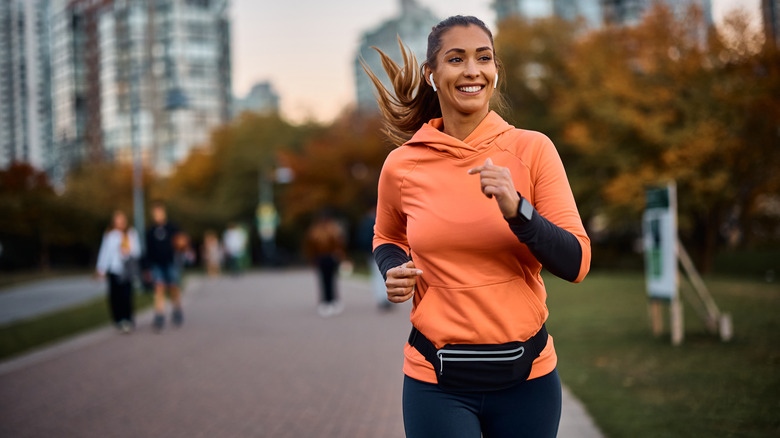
(770, 10)
(413, 26)
(261, 99)
(595, 12)
(630, 12)
(150, 73)
(590, 10)
(25, 92)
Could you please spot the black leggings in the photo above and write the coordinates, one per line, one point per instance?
(120, 298)
(327, 265)
(530, 409)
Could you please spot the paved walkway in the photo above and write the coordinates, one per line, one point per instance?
(252, 360)
(44, 296)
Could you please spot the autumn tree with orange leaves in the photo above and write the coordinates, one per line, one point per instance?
(667, 99)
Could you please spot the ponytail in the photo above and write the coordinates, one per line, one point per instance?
(412, 102)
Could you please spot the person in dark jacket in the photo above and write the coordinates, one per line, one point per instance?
(166, 274)
(324, 246)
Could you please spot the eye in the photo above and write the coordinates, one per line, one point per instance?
(485, 58)
(454, 59)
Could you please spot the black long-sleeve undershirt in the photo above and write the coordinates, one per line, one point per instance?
(558, 250)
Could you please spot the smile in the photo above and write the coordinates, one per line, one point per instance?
(470, 88)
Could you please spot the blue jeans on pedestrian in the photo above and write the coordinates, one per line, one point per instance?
(529, 409)
(169, 275)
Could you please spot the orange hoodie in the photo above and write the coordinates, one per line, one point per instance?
(480, 285)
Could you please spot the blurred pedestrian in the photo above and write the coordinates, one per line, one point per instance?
(118, 262)
(183, 254)
(166, 273)
(324, 247)
(212, 253)
(470, 209)
(235, 240)
(365, 237)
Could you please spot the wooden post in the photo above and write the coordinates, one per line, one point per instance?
(726, 329)
(676, 320)
(712, 312)
(656, 317)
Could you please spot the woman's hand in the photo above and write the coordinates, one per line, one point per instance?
(496, 181)
(401, 282)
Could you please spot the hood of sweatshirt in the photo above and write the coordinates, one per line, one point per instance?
(430, 135)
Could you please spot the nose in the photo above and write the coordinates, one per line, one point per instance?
(471, 70)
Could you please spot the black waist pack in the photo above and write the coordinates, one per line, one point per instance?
(480, 367)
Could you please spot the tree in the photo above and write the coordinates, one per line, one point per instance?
(630, 107)
(219, 182)
(338, 168)
(26, 200)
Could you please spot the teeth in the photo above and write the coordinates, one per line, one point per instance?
(472, 89)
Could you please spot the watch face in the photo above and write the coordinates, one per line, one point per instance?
(526, 210)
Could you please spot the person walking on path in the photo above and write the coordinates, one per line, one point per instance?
(325, 248)
(166, 274)
(118, 262)
(470, 209)
(212, 253)
(234, 239)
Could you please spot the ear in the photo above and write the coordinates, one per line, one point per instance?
(427, 74)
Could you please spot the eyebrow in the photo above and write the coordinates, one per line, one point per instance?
(481, 49)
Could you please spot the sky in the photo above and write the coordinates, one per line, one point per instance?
(306, 48)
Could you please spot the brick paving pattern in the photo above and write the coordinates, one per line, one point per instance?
(253, 359)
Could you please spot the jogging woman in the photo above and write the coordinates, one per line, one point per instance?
(470, 209)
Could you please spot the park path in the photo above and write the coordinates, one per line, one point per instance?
(252, 360)
(36, 298)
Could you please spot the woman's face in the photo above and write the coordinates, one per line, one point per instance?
(120, 221)
(465, 71)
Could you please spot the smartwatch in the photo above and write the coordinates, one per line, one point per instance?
(524, 210)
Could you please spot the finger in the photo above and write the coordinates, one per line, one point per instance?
(400, 293)
(399, 274)
(479, 169)
(400, 284)
(498, 188)
(400, 298)
(408, 270)
(401, 290)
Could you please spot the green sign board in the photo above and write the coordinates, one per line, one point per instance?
(659, 225)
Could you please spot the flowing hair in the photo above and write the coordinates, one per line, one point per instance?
(412, 101)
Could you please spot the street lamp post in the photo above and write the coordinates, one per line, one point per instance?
(138, 183)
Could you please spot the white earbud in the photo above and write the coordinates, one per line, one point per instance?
(495, 84)
(433, 84)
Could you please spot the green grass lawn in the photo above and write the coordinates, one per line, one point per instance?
(22, 336)
(637, 386)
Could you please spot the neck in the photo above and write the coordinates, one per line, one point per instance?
(460, 125)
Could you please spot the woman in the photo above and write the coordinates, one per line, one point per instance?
(470, 209)
(118, 260)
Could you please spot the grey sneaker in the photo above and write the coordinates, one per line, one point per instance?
(158, 323)
(178, 317)
(125, 326)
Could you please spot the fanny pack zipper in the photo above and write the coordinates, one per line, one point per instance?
(487, 356)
